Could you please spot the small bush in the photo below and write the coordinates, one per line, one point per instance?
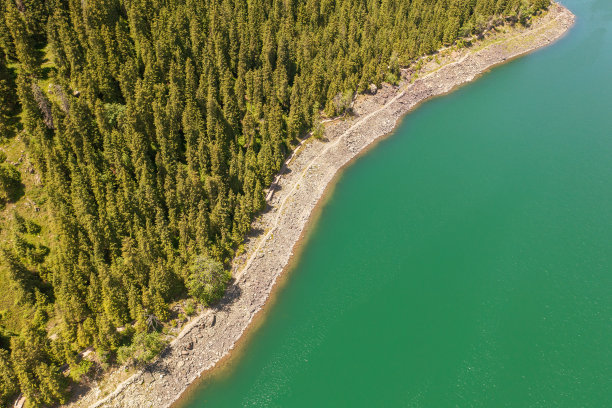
(189, 307)
(342, 101)
(79, 370)
(317, 132)
(392, 78)
(144, 348)
(207, 279)
(10, 182)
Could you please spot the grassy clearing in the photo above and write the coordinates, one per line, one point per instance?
(29, 205)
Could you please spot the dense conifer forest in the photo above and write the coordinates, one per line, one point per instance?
(138, 137)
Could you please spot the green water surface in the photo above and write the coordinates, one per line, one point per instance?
(466, 261)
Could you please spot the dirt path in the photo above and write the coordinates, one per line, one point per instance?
(297, 190)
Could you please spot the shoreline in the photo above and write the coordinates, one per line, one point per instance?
(294, 204)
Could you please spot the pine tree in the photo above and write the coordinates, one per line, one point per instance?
(7, 97)
(39, 379)
(9, 386)
(24, 44)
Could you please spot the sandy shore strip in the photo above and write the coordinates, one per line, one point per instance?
(295, 193)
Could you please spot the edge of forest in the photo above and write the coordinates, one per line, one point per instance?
(297, 191)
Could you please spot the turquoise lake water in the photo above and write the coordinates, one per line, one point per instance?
(465, 261)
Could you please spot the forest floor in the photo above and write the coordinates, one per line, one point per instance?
(293, 199)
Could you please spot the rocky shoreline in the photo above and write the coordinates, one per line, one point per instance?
(292, 199)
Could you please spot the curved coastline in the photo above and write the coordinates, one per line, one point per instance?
(295, 200)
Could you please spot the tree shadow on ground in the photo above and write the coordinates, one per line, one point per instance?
(17, 192)
(232, 294)
(254, 233)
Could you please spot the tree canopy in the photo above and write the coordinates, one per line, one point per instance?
(153, 128)
(207, 279)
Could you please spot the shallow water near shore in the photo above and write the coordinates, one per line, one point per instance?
(464, 261)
